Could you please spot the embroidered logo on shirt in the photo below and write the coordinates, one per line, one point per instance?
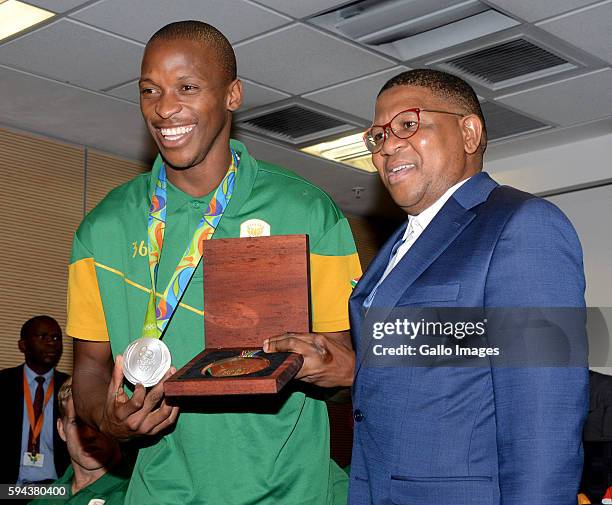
(254, 228)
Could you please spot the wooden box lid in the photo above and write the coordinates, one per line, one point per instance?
(255, 288)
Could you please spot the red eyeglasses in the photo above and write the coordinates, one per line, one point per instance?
(403, 125)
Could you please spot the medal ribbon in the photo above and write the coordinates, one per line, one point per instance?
(35, 425)
(160, 312)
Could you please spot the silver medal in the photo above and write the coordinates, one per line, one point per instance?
(146, 361)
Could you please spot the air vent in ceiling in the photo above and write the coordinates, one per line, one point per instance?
(295, 124)
(503, 123)
(382, 21)
(406, 29)
(508, 63)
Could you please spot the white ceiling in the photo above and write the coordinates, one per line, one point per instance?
(74, 77)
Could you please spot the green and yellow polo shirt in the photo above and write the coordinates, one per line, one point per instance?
(262, 450)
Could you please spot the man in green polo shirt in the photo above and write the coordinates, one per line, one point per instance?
(95, 472)
(261, 450)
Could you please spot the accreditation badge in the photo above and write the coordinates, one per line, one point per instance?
(254, 228)
(35, 460)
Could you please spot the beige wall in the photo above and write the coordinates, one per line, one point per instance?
(47, 186)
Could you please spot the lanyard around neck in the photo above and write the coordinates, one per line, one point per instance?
(36, 424)
(160, 312)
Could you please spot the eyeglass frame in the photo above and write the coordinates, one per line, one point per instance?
(387, 126)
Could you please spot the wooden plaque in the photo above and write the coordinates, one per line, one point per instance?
(254, 288)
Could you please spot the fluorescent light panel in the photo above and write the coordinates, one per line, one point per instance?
(17, 16)
(349, 150)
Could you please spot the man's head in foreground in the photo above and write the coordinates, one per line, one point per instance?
(90, 451)
(428, 134)
(188, 90)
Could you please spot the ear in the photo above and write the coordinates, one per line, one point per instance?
(234, 95)
(471, 129)
(60, 429)
(22, 345)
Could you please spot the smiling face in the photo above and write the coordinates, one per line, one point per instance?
(186, 101)
(445, 150)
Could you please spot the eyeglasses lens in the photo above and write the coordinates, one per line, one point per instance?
(403, 126)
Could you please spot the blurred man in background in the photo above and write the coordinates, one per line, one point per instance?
(34, 452)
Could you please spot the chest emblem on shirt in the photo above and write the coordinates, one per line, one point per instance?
(254, 228)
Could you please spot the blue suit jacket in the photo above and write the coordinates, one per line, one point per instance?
(472, 435)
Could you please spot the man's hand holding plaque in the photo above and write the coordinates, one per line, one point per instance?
(329, 360)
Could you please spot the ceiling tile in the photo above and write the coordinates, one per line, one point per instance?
(71, 114)
(577, 100)
(531, 10)
(588, 29)
(300, 8)
(355, 97)
(57, 5)
(69, 52)
(298, 59)
(140, 19)
(128, 91)
(255, 95)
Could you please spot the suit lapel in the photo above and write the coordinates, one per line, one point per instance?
(436, 238)
(451, 220)
(19, 399)
(367, 282)
(16, 439)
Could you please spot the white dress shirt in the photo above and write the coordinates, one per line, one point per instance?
(415, 227)
(28, 473)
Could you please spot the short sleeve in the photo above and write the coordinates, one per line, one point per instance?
(86, 319)
(334, 271)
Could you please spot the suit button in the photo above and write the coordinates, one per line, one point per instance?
(358, 416)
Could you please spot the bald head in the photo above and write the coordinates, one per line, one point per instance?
(208, 36)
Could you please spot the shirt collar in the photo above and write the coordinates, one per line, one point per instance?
(31, 375)
(246, 174)
(422, 220)
(115, 477)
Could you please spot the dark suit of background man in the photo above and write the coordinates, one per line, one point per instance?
(41, 343)
(485, 435)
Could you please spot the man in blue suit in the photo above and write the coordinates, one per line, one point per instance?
(457, 435)
(464, 435)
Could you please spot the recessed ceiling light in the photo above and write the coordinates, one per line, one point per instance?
(349, 150)
(16, 16)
